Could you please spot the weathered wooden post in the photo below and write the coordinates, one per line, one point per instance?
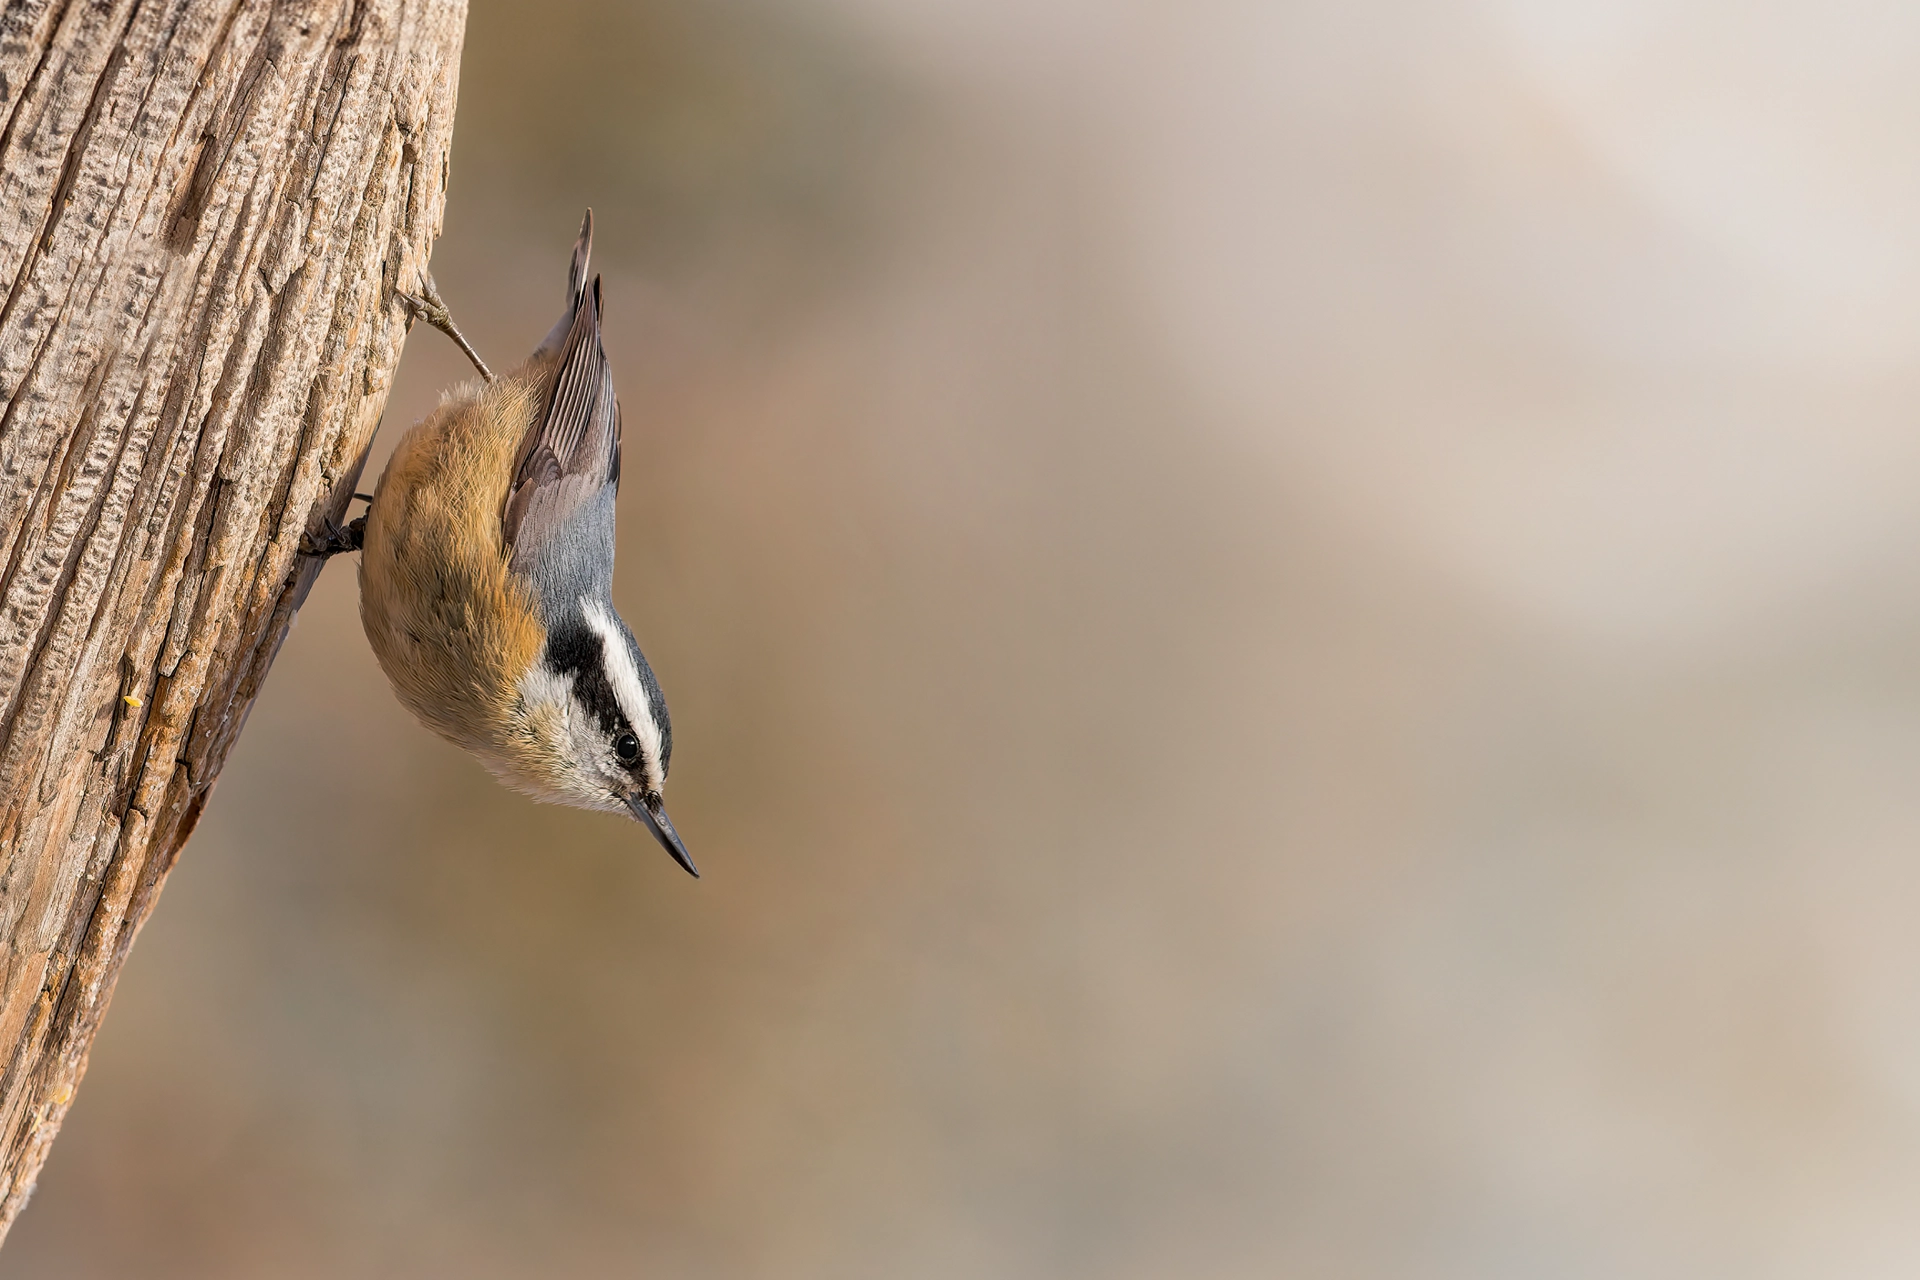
(205, 208)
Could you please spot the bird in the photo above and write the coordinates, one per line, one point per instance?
(486, 574)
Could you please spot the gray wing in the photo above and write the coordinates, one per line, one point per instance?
(559, 513)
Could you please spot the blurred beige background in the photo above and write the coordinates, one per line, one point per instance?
(1294, 640)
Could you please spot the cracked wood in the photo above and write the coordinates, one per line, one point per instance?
(205, 209)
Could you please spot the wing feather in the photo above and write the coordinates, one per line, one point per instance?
(572, 452)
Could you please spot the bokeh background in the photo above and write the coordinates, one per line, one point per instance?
(1294, 638)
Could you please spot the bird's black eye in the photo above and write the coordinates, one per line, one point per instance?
(627, 747)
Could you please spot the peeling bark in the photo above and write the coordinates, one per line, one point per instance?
(205, 209)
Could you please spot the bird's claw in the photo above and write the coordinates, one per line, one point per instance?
(335, 539)
(427, 306)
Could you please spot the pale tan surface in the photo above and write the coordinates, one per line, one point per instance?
(1292, 633)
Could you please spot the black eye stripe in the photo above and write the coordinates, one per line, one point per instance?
(576, 650)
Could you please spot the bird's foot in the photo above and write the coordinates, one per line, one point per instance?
(428, 306)
(335, 539)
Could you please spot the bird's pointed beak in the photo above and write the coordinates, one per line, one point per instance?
(662, 828)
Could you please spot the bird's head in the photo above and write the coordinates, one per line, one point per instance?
(607, 739)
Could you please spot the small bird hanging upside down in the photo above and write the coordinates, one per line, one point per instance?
(486, 575)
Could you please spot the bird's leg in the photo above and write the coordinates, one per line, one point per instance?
(428, 307)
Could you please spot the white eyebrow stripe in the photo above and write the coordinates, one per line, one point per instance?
(627, 689)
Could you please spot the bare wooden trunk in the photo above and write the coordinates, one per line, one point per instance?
(205, 209)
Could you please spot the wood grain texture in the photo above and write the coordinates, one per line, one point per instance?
(205, 209)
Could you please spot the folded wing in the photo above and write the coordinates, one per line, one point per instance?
(569, 459)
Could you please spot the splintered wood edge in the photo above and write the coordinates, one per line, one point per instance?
(205, 208)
